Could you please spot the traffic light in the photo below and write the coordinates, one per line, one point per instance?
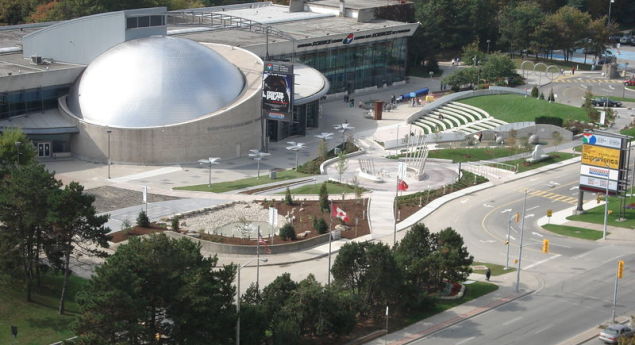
(549, 213)
(517, 217)
(620, 269)
(545, 246)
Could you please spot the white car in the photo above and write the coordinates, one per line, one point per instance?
(611, 333)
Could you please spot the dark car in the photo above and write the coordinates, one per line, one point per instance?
(605, 102)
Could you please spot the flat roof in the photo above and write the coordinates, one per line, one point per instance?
(358, 4)
(47, 122)
(16, 64)
(13, 37)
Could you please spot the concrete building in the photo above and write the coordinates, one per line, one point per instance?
(152, 86)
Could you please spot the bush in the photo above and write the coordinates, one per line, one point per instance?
(175, 223)
(287, 232)
(324, 198)
(550, 120)
(535, 92)
(319, 224)
(143, 220)
(287, 197)
(542, 96)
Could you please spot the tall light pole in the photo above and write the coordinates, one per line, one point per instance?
(343, 128)
(609, 18)
(520, 251)
(297, 147)
(258, 156)
(109, 131)
(488, 41)
(211, 161)
(17, 147)
(238, 296)
(606, 203)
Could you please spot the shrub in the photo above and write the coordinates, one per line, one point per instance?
(319, 224)
(324, 198)
(550, 120)
(143, 220)
(534, 92)
(287, 232)
(288, 199)
(175, 223)
(542, 96)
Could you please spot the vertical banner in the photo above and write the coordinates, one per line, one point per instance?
(145, 194)
(277, 91)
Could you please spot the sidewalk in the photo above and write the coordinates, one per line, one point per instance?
(506, 293)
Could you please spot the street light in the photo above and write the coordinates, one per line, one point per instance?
(17, 146)
(324, 136)
(211, 161)
(297, 147)
(109, 131)
(520, 250)
(238, 295)
(258, 156)
(488, 41)
(609, 18)
(342, 128)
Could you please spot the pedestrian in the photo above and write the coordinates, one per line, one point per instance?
(413, 102)
(488, 273)
(572, 70)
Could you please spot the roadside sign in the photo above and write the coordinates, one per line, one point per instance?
(549, 213)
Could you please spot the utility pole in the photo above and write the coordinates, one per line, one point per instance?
(520, 250)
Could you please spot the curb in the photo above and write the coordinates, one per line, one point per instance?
(460, 318)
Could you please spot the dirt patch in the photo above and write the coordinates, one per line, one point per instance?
(123, 235)
(109, 198)
(304, 212)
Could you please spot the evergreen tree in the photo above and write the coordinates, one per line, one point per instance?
(324, 198)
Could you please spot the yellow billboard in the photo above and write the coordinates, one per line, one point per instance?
(601, 156)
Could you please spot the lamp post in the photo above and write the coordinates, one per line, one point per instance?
(343, 128)
(109, 131)
(297, 147)
(488, 41)
(211, 161)
(258, 156)
(606, 203)
(238, 296)
(609, 18)
(520, 250)
(17, 146)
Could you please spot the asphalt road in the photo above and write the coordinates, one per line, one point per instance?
(576, 278)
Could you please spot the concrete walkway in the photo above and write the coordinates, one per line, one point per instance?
(381, 214)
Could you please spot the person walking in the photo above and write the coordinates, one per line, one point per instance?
(488, 273)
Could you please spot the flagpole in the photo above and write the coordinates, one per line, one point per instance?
(328, 272)
(258, 262)
(394, 208)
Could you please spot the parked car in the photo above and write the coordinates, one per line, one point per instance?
(615, 38)
(625, 39)
(629, 82)
(605, 102)
(611, 333)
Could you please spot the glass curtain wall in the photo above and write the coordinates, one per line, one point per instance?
(360, 66)
(32, 100)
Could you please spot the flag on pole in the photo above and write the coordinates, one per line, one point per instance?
(402, 185)
(339, 213)
(145, 194)
(263, 243)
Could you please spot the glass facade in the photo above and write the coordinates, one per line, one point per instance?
(32, 100)
(304, 116)
(351, 67)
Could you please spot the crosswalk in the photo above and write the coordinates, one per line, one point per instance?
(587, 81)
(549, 195)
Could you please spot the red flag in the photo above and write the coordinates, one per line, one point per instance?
(339, 213)
(263, 242)
(402, 185)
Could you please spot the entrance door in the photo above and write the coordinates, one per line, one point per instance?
(43, 149)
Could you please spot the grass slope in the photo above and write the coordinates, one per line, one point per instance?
(494, 268)
(244, 183)
(331, 188)
(38, 322)
(596, 214)
(474, 154)
(517, 108)
(554, 157)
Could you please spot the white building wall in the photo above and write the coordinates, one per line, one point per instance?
(83, 39)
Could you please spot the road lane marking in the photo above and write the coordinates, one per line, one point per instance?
(465, 340)
(506, 210)
(536, 234)
(512, 321)
(529, 215)
(464, 201)
(488, 205)
(512, 237)
(581, 255)
(542, 330)
(541, 262)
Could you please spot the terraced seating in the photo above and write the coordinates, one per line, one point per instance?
(457, 117)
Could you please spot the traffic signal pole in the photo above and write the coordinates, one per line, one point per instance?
(509, 226)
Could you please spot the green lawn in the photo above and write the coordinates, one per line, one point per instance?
(517, 108)
(566, 65)
(573, 231)
(494, 268)
(244, 183)
(596, 214)
(474, 154)
(628, 131)
(38, 322)
(554, 157)
(331, 188)
(472, 291)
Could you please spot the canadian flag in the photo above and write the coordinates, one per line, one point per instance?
(263, 242)
(339, 213)
(402, 185)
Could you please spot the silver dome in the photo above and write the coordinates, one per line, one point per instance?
(154, 81)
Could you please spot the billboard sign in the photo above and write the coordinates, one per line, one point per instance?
(277, 91)
(604, 160)
(601, 156)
